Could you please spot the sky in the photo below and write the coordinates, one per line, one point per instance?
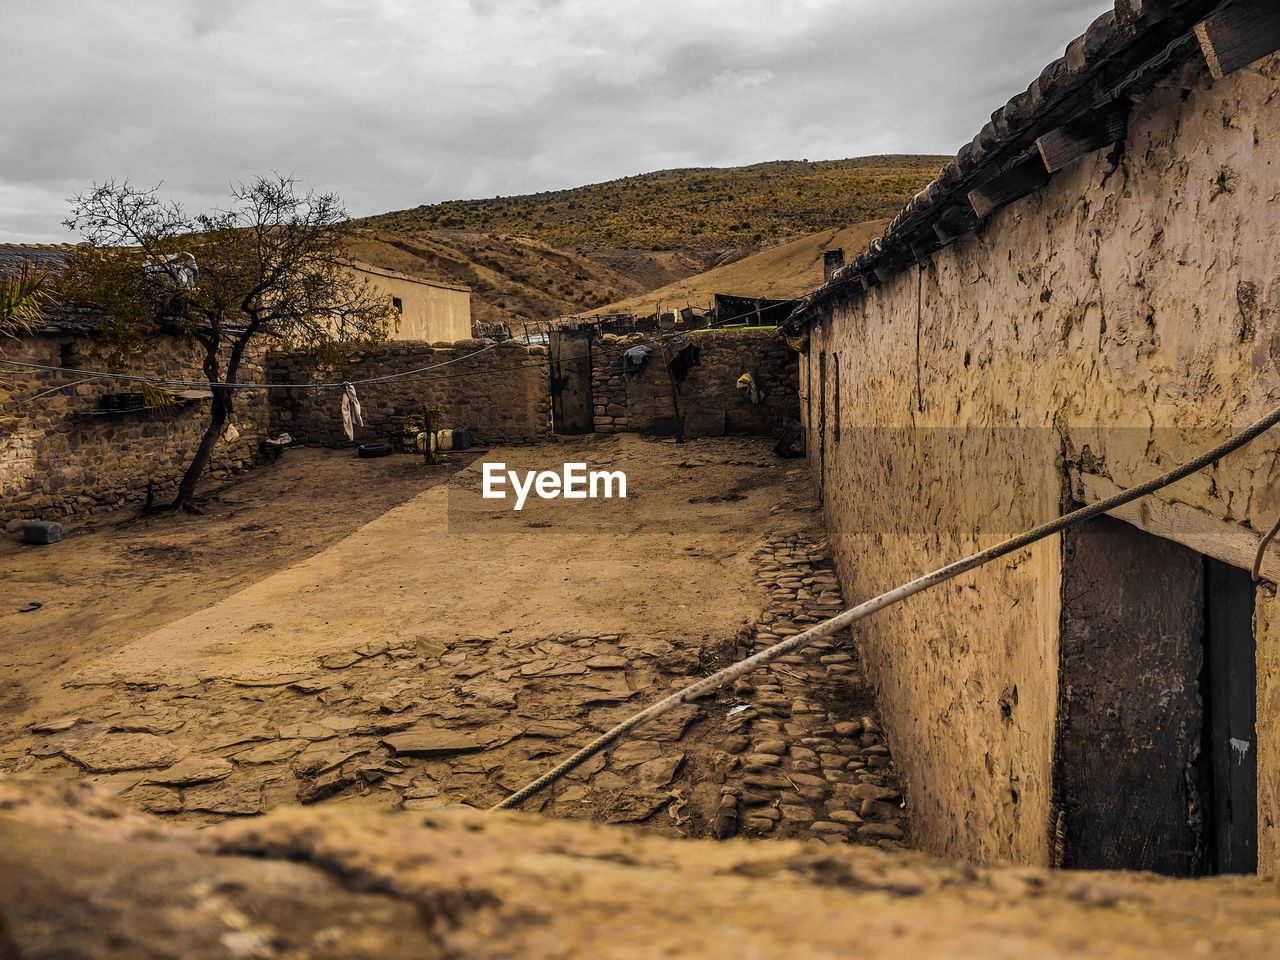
(392, 103)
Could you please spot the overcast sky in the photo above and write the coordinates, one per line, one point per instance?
(393, 103)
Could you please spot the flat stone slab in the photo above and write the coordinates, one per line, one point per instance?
(125, 751)
(55, 725)
(430, 741)
(607, 662)
(192, 770)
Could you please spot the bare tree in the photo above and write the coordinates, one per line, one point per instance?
(269, 268)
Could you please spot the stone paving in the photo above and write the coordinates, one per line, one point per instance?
(791, 751)
(811, 758)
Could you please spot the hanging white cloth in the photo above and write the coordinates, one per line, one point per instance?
(350, 411)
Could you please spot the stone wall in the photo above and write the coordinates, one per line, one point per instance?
(60, 458)
(500, 391)
(1095, 333)
(708, 388)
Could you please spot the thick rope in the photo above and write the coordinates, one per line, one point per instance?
(827, 627)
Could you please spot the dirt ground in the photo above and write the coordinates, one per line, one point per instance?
(375, 632)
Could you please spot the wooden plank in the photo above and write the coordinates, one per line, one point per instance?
(1081, 137)
(1024, 176)
(1198, 529)
(1230, 695)
(1239, 33)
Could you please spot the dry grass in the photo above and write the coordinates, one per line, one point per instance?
(787, 270)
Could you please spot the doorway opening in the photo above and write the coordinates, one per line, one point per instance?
(1156, 760)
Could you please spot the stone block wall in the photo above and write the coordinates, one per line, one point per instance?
(56, 464)
(500, 391)
(1110, 326)
(622, 406)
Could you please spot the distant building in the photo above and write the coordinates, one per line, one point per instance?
(430, 310)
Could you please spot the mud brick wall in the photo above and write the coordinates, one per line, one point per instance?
(55, 465)
(1117, 322)
(622, 406)
(501, 394)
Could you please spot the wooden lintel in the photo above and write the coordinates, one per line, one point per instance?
(1082, 136)
(1025, 176)
(1190, 526)
(1238, 33)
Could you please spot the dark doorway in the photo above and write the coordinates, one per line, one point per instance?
(1155, 763)
(572, 411)
(1229, 691)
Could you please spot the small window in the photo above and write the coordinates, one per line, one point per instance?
(398, 304)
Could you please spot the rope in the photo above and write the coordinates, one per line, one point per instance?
(827, 627)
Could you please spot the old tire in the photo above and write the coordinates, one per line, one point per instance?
(368, 450)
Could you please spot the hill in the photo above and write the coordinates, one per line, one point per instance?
(780, 272)
(544, 255)
(691, 209)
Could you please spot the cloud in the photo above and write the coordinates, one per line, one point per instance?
(392, 103)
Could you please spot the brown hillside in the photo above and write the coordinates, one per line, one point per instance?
(787, 270)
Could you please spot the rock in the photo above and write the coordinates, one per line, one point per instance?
(317, 790)
(226, 797)
(56, 725)
(419, 741)
(767, 812)
(659, 772)
(340, 661)
(124, 751)
(735, 744)
(808, 780)
(879, 831)
(318, 760)
(826, 826)
(870, 791)
(307, 731)
(761, 759)
(844, 816)
(551, 728)
(273, 752)
(797, 813)
(192, 770)
(878, 810)
(778, 747)
(758, 824)
(634, 754)
(849, 729)
(156, 799)
(607, 662)
(146, 724)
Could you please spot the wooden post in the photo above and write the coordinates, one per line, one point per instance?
(1238, 33)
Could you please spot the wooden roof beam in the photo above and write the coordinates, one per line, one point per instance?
(1239, 33)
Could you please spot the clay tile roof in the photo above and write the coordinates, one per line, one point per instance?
(1120, 57)
(42, 256)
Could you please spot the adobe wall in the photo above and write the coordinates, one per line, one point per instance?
(622, 406)
(1120, 320)
(55, 464)
(430, 311)
(500, 391)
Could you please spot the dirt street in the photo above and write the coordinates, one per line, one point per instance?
(371, 632)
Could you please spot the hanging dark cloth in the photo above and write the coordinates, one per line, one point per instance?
(684, 361)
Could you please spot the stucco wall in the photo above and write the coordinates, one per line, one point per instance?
(1122, 319)
(429, 311)
(54, 464)
(500, 391)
